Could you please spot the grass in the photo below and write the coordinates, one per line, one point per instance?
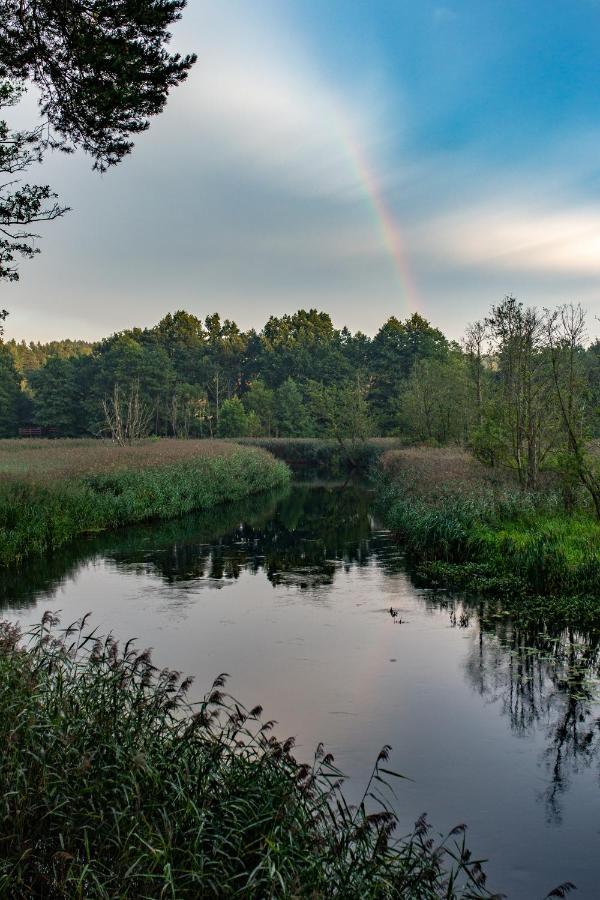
(322, 454)
(47, 460)
(469, 527)
(51, 492)
(113, 785)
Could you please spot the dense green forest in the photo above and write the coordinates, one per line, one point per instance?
(522, 388)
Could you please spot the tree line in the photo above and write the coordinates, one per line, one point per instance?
(522, 388)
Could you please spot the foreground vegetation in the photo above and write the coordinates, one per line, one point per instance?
(114, 786)
(470, 527)
(52, 491)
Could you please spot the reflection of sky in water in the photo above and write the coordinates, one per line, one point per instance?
(495, 727)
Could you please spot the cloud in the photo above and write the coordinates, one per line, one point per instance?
(442, 14)
(245, 191)
(257, 99)
(514, 239)
(542, 220)
(253, 194)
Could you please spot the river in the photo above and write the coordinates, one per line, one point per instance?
(306, 600)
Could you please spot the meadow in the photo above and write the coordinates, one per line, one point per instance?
(468, 526)
(53, 491)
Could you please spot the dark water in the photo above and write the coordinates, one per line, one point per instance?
(291, 595)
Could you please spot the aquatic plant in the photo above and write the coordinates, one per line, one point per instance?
(113, 784)
(41, 511)
(469, 531)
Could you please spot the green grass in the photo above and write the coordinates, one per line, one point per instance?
(114, 786)
(496, 541)
(323, 454)
(40, 513)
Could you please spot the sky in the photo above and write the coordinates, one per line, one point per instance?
(366, 158)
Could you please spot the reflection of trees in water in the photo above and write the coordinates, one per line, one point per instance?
(542, 680)
(176, 549)
(300, 536)
(303, 537)
(302, 541)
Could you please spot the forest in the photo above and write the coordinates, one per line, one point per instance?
(521, 390)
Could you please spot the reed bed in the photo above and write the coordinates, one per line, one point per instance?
(72, 488)
(114, 785)
(323, 454)
(469, 527)
(46, 460)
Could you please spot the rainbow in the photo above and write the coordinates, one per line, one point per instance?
(385, 221)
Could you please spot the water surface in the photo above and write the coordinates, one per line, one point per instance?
(291, 595)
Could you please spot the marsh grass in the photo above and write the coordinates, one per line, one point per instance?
(45, 461)
(66, 489)
(452, 512)
(114, 785)
(324, 455)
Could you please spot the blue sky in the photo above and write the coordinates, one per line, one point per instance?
(363, 157)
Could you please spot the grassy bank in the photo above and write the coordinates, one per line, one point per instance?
(53, 491)
(114, 786)
(323, 455)
(469, 527)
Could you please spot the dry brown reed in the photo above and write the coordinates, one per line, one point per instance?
(43, 460)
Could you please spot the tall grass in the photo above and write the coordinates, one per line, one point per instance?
(323, 454)
(39, 514)
(114, 785)
(458, 515)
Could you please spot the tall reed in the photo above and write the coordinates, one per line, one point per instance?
(114, 785)
(38, 516)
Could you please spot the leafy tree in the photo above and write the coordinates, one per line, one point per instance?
(60, 390)
(233, 421)
(188, 410)
(529, 424)
(259, 400)
(225, 360)
(395, 349)
(124, 361)
(183, 337)
(291, 415)
(565, 333)
(9, 394)
(435, 405)
(31, 356)
(301, 346)
(341, 411)
(101, 69)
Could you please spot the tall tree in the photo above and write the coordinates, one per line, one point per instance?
(291, 414)
(302, 346)
(565, 333)
(9, 394)
(528, 421)
(101, 69)
(60, 391)
(395, 349)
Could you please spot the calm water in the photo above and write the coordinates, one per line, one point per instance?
(291, 596)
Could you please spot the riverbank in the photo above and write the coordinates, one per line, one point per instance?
(467, 527)
(325, 455)
(164, 798)
(54, 491)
